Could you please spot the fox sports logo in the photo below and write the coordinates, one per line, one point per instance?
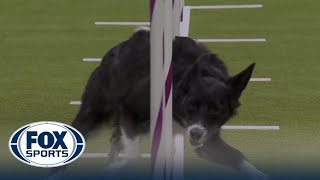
(46, 144)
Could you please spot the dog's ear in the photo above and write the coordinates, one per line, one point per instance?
(239, 82)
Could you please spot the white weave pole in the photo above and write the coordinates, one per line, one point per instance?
(178, 157)
(161, 88)
(177, 16)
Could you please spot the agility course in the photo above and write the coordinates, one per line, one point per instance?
(42, 69)
(167, 20)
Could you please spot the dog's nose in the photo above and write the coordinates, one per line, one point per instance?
(196, 133)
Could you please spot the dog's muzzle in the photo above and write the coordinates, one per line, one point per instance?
(197, 135)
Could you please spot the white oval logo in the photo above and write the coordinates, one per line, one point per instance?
(47, 144)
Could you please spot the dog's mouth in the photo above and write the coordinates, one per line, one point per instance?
(195, 144)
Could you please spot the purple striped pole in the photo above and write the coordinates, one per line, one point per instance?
(161, 88)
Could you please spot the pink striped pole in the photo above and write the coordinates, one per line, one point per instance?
(161, 88)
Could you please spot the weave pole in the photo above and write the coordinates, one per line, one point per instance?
(161, 37)
(177, 16)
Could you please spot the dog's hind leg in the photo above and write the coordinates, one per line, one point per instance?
(216, 150)
(88, 121)
(85, 122)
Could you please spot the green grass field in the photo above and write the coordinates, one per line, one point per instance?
(42, 43)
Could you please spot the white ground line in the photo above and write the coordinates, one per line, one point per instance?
(100, 155)
(244, 6)
(229, 127)
(75, 103)
(252, 80)
(231, 40)
(179, 145)
(185, 24)
(260, 79)
(92, 59)
(233, 127)
(123, 23)
(178, 154)
(186, 16)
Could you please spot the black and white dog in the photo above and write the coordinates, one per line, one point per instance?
(205, 97)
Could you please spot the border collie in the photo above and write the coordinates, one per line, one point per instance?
(205, 97)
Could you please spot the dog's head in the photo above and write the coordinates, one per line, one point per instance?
(211, 99)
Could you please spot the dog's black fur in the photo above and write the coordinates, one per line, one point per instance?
(203, 93)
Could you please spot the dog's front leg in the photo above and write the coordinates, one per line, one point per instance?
(115, 147)
(126, 137)
(216, 150)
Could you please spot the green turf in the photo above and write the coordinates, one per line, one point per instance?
(42, 43)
